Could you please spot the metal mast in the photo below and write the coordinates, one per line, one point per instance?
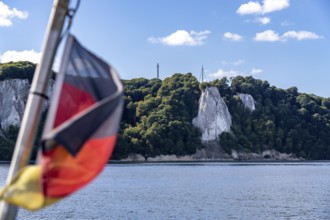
(202, 73)
(35, 100)
(157, 70)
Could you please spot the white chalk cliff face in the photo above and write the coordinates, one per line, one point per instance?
(13, 96)
(248, 101)
(213, 115)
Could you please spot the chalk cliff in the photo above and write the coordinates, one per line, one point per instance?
(248, 101)
(213, 115)
(13, 97)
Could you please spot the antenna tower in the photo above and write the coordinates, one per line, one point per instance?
(202, 74)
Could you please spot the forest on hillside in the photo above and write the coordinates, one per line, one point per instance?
(158, 115)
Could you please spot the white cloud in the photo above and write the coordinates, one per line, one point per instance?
(7, 14)
(272, 36)
(238, 62)
(274, 5)
(259, 20)
(268, 35)
(222, 73)
(234, 63)
(263, 20)
(232, 36)
(301, 35)
(287, 23)
(5, 22)
(256, 71)
(25, 55)
(233, 73)
(182, 38)
(267, 6)
(250, 8)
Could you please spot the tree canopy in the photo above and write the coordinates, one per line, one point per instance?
(17, 70)
(157, 117)
(284, 120)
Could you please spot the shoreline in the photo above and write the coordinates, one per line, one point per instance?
(204, 161)
(219, 161)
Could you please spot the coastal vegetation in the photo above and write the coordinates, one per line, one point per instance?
(158, 114)
(157, 117)
(17, 70)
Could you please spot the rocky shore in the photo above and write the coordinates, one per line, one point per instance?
(204, 155)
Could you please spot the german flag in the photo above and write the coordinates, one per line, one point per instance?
(80, 131)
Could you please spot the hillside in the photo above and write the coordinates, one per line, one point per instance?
(158, 117)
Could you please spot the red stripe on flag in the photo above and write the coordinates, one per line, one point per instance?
(72, 101)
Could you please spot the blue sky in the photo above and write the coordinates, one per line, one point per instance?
(286, 42)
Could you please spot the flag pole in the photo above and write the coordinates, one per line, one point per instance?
(35, 100)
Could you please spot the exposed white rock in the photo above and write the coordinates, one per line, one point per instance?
(213, 115)
(169, 158)
(265, 155)
(134, 158)
(13, 97)
(273, 154)
(234, 154)
(49, 93)
(209, 155)
(211, 151)
(248, 101)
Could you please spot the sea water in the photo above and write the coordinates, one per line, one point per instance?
(198, 191)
